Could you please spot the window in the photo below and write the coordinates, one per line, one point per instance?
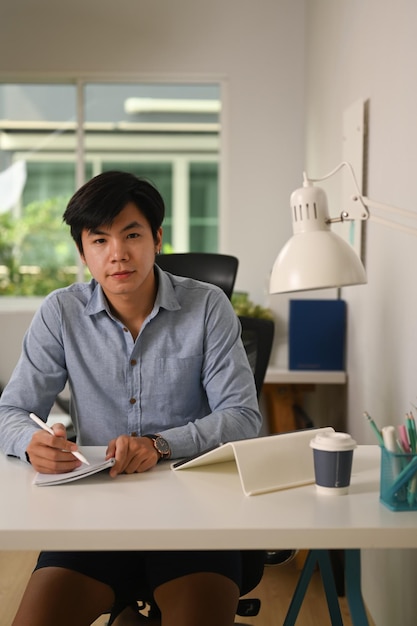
(166, 133)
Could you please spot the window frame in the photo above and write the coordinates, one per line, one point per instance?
(216, 144)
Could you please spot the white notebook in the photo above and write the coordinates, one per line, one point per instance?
(265, 463)
(96, 457)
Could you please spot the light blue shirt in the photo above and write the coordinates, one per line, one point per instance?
(186, 376)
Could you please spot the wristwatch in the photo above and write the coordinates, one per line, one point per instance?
(161, 445)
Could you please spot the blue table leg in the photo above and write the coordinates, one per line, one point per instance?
(300, 590)
(352, 583)
(353, 588)
(322, 559)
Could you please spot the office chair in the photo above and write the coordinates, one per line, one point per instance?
(257, 338)
(217, 269)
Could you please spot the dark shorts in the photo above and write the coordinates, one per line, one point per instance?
(135, 575)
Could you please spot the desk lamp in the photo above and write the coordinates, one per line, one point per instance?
(315, 257)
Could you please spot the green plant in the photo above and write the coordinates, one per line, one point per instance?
(245, 307)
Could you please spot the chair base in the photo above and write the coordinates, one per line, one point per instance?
(248, 607)
(279, 557)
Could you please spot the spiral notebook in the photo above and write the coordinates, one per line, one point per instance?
(267, 463)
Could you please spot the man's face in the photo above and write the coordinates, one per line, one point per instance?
(121, 256)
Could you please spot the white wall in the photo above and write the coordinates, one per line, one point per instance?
(15, 318)
(368, 49)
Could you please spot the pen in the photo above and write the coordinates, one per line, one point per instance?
(42, 424)
(375, 428)
(405, 444)
(411, 428)
(412, 485)
(412, 490)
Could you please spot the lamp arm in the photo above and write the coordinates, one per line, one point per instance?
(386, 207)
(398, 213)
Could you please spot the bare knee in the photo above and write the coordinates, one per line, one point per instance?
(201, 599)
(56, 595)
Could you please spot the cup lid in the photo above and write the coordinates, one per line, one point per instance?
(333, 442)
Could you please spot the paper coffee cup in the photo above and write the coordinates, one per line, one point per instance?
(333, 454)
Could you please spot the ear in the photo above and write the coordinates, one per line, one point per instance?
(82, 257)
(158, 241)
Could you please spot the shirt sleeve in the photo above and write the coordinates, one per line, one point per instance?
(38, 377)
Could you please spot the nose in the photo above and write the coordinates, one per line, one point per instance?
(118, 251)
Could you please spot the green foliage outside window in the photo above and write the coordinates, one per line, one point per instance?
(37, 253)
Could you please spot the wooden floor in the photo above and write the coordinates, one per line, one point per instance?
(275, 592)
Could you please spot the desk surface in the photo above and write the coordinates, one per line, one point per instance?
(198, 508)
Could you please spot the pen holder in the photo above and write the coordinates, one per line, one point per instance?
(398, 488)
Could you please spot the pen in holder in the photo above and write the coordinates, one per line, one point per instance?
(398, 489)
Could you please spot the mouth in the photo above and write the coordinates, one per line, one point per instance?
(121, 275)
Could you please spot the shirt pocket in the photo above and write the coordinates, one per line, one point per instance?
(172, 388)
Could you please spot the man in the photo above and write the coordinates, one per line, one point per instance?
(156, 369)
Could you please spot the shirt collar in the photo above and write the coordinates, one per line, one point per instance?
(165, 297)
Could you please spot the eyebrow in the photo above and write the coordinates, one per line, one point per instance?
(98, 231)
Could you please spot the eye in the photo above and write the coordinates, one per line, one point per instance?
(99, 240)
(133, 235)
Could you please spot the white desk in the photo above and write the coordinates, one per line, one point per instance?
(204, 507)
(199, 508)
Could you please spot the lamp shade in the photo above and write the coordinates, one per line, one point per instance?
(314, 257)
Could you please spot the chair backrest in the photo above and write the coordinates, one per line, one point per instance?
(257, 337)
(217, 269)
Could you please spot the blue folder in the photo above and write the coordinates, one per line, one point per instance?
(317, 334)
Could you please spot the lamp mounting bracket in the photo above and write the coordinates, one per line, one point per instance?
(357, 209)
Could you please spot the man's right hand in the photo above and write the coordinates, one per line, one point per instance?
(51, 454)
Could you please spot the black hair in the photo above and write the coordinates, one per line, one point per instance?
(101, 199)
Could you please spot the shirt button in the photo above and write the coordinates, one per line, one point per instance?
(134, 434)
(132, 401)
(133, 362)
(126, 330)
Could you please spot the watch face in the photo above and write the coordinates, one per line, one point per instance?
(162, 446)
